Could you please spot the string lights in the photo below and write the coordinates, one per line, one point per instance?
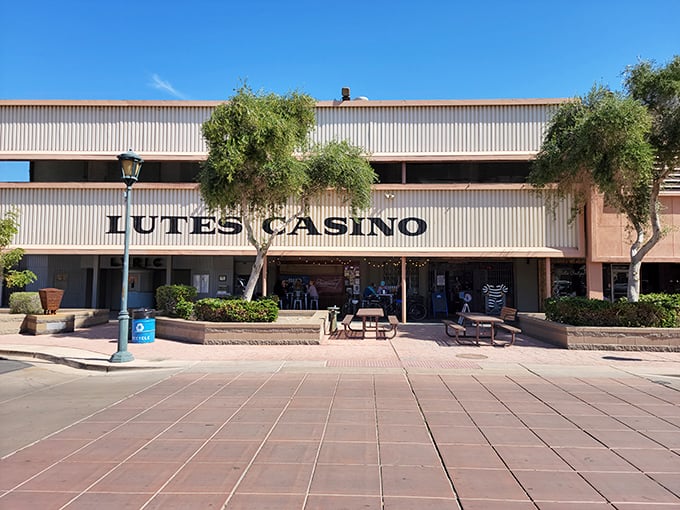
(336, 261)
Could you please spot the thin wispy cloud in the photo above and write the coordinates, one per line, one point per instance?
(158, 83)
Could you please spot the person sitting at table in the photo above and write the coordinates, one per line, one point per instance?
(369, 293)
(382, 288)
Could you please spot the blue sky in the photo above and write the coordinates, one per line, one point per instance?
(380, 49)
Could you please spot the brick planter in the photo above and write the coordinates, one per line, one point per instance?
(305, 327)
(609, 338)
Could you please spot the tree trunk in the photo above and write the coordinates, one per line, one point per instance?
(254, 275)
(634, 277)
(261, 247)
(640, 248)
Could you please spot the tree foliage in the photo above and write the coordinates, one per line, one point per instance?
(9, 258)
(261, 163)
(622, 145)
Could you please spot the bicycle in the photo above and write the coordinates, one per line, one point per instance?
(415, 308)
(349, 307)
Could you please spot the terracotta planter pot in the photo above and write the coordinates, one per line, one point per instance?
(50, 299)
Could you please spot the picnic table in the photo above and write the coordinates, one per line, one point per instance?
(479, 320)
(368, 315)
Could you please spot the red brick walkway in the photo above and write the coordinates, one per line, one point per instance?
(428, 429)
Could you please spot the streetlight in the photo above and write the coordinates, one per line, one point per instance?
(130, 166)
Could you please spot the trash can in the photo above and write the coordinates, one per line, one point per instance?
(333, 318)
(143, 326)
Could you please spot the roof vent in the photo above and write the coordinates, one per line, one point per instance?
(361, 98)
(345, 94)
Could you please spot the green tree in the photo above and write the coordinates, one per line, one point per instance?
(261, 164)
(9, 258)
(622, 145)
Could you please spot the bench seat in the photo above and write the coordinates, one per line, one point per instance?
(394, 323)
(457, 329)
(345, 322)
(510, 329)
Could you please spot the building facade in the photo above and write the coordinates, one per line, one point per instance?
(452, 215)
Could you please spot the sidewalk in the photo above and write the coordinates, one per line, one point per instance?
(417, 348)
(408, 423)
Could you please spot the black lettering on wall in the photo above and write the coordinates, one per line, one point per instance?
(382, 226)
(420, 226)
(305, 222)
(173, 223)
(229, 225)
(139, 228)
(113, 225)
(335, 226)
(203, 225)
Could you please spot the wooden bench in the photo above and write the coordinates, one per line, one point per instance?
(509, 314)
(510, 329)
(457, 329)
(394, 323)
(346, 321)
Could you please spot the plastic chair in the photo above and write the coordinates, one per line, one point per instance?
(297, 302)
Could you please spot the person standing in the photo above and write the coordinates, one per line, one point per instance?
(311, 290)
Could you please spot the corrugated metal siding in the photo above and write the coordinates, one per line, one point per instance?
(101, 129)
(475, 219)
(437, 130)
(431, 130)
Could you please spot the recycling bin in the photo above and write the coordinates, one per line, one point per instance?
(143, 326)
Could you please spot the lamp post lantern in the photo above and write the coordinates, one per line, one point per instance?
(130, 166)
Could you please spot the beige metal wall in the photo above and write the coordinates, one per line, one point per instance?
(93, 130)
(461, 221)
(438, 130)
(172, 129)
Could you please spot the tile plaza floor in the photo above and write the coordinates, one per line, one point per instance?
(407, 423)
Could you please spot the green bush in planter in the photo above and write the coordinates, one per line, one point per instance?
(25, 302)
(580, 311)
(184, 310)
(236, 310)
(176, 300)
(670, 304)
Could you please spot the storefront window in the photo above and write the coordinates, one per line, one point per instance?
(568, 280)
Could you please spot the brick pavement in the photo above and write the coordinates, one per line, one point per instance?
(411, 423)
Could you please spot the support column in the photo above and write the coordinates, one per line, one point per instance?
(94, 302)
(594, 283)
(548, 279)
(404, 290)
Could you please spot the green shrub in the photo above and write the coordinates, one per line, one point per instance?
(25, 302)
(579, 311)
(670, 304)
(172, 299)
(184, 310)
(236, 310)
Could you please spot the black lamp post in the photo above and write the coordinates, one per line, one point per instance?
(130, 166)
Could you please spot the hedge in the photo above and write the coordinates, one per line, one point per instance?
(176, 300)
(236, 310)
(657, 310)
